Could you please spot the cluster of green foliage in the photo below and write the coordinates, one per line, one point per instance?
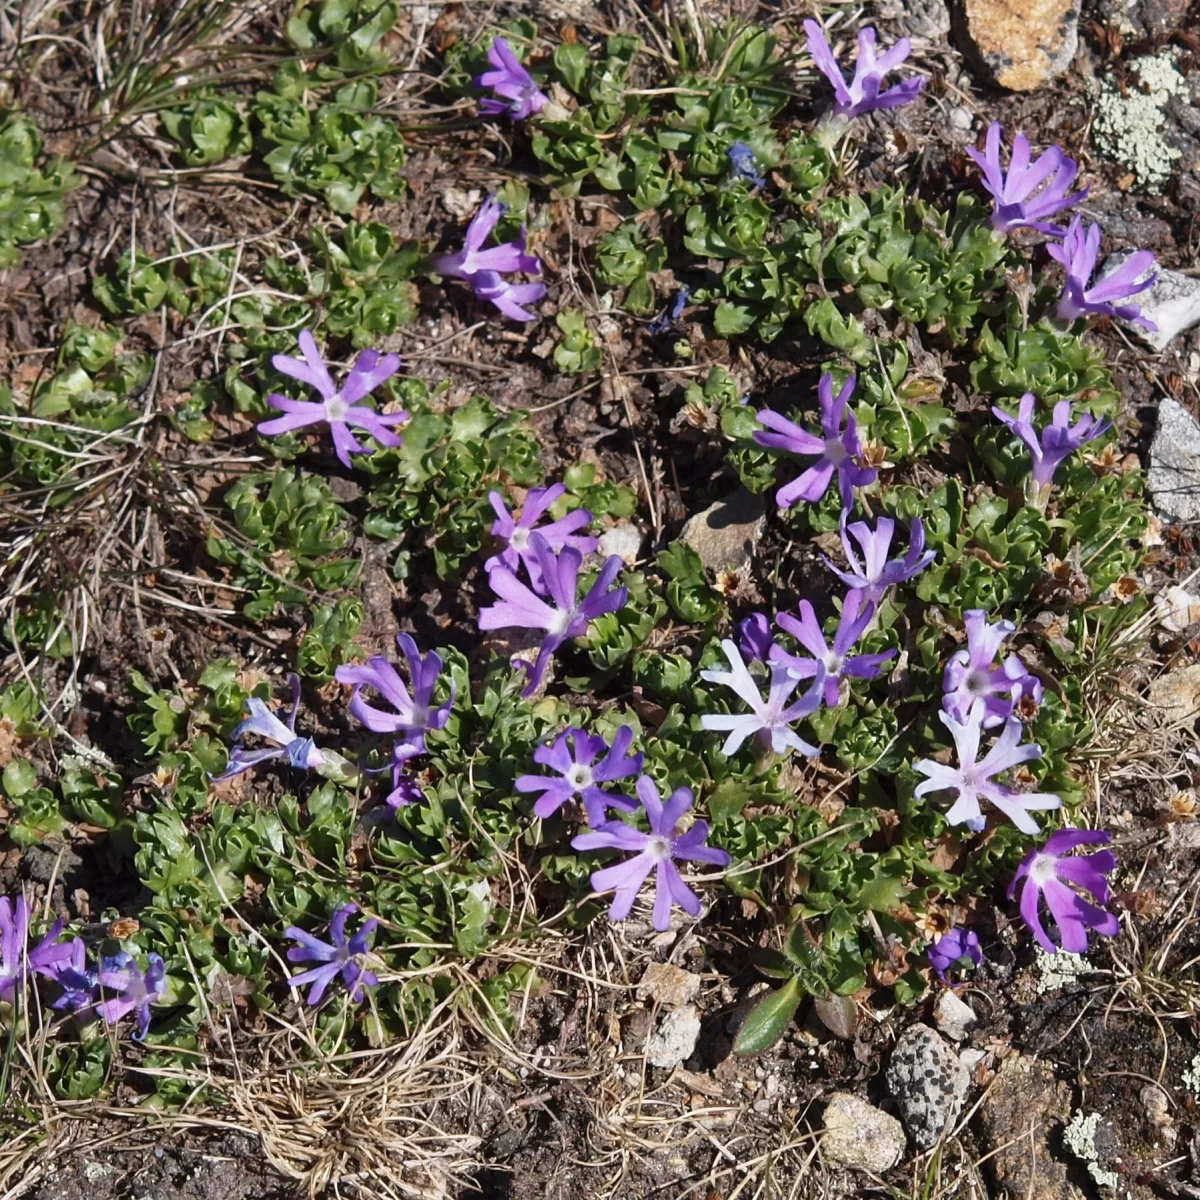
(31, 194)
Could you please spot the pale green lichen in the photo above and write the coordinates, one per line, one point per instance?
(1127, 127)
(1057, 970)
(1080, 1138)
(1191, 1077)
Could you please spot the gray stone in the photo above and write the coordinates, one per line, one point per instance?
(1020, 44)
(928, 1082)
(1174, 476)
(674, 1040)
(858, 1135)
(725, 533)
(954, 1017)
(624, 540)
(1173, 303)
(917, 19)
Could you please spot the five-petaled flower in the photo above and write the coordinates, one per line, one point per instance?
(516, 530)
(1077, 253)
(654, 851)
(970, 675)
(1054, 873)
(483, 269)
(573, 756)
(863, 94)
(972, 778)
(741, 164)
(339, 407)
(1016, 199)
(1057, 441)
(518, 95)
(836, 659)
(521, 608)
(769, 722)
(125, 988)
(301, 752)
(952, 949)
(838, 448)
(875, 574)
(348, 958)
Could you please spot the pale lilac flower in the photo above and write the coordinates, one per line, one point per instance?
(1059, 876)
(46, 957)
(742, 166)
(970, 675)
(654, 851)
(340, 408)
(573, 756)
(951, 949)
(972, 778)
(135, 990)
(754, 637)
(301, 752)
(875, 574)
(519, 96)
(1057, 441)
(510, 298)
(863, 94)
(337, 956)
(770, 719)
(1016, 199)
(77, 980)
(14, 931)
(516, 530)
(521, 608)
(416, 714)
(838, 448)
(1077, 253)
(837, 661)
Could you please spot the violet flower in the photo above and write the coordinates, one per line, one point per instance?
(77, 980)
(516, 530)
(135, 990)
(951, 949)
(337, 956)
(405, 789)
(670, 315)
(416, 714)
(838, 448)
(875, 574)
(301, 752)
(741, 164)
(573, 756)
(863, 94)
(770, 719)
(482, 269)
(654, 851)
(1052, 872)
(836, 660)
(521, 608)
(972, 778)
(1077, 254)
(14, 930)
(1016, 200)
(340, 408)
(754, 637)
(519, 96)
(970, 675)
(1057, 441)
(47, 956)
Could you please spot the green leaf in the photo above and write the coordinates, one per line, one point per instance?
(19, 778)
(767, 1021)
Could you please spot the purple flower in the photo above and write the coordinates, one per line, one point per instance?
(520, 96)
(349, 958)
(1015, 203)
(770, 719)
(970, 676)
(754, 637)
(14, 930)
(972, 778)
(516, 530)
(838, 448)
(135, 990)
(1077, 253)
(573, 755)
(670, 315)
(863, 94)
(836, 660)
(49, 954)
(875, 574)
(741, 164)
(1054, 873)
(415, 713)
(405, 789)
(1059, 440)
(654, 851)
(951, 949)
(482, 269)
(340, 408)
(77, 980)
(521, 608)
(301, 752)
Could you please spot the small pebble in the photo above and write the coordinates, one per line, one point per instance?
(961, 119)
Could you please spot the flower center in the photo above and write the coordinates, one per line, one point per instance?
(336, 408)
(559, 622)
(519, 539)
(658, 847)
(835, 452)
(580, 777)
(1042, 870)
(419, 718)
(833, 663)
(977, 683)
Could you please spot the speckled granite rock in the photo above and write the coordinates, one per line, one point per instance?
(1021, 44)
(928, 1082)
(858, 1135)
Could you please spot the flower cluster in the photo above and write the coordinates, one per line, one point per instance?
(516, 94)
